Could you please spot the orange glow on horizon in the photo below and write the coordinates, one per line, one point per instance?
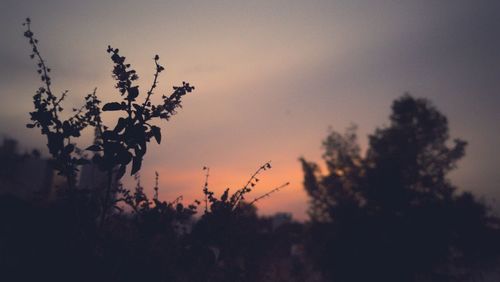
(189, 184)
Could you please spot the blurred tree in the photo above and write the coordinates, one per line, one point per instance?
(393, 215)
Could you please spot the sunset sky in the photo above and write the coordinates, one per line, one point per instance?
(270, 77)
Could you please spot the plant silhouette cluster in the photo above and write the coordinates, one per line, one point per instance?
(127, 141)
(155, 212)
(116, 146)
(141, 232)
(228, 203)
(390, 214)
(394, 213)
(144, 238)
(46, 116)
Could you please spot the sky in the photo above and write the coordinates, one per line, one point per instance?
(271, 77)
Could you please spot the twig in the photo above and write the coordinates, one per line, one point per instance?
(270, 192)
(239, 194)
(159, 69)
(205, 187)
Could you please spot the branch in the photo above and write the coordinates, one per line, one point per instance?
(270, 192)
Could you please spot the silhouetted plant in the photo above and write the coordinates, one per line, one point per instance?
(393, 213)
(144, 238)
(232, 202)
(127, 141)
(229, 227)
(117, 146)
(152, 216)
(46, 117)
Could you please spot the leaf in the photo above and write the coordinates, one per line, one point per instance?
(156, 133)
(55, 142)
(94, 148)
(120, 125)
(114, 106)
(136, 165)
(133, 92)
(66, 127)
(137, 106)
(116, 58)
(68, 149)
(124, 157)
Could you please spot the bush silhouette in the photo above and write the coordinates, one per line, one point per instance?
(393, 215)
(115, 146)
(123, 234)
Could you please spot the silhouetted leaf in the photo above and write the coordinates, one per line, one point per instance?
(116, 58)
(55, 142)
(114, 106)
(136, 165)
(137, 107)
(124, 156)
(133, 92)
(94, 148)
(120, 125)
(156, 133)
(68, 149)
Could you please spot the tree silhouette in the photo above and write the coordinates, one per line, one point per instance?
(393, 215)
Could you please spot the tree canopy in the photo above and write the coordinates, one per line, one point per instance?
(392, 214)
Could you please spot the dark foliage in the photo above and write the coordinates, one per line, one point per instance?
(233, 233)
(116, 146)
(393, 215)
(143, 239)
(390, 215)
